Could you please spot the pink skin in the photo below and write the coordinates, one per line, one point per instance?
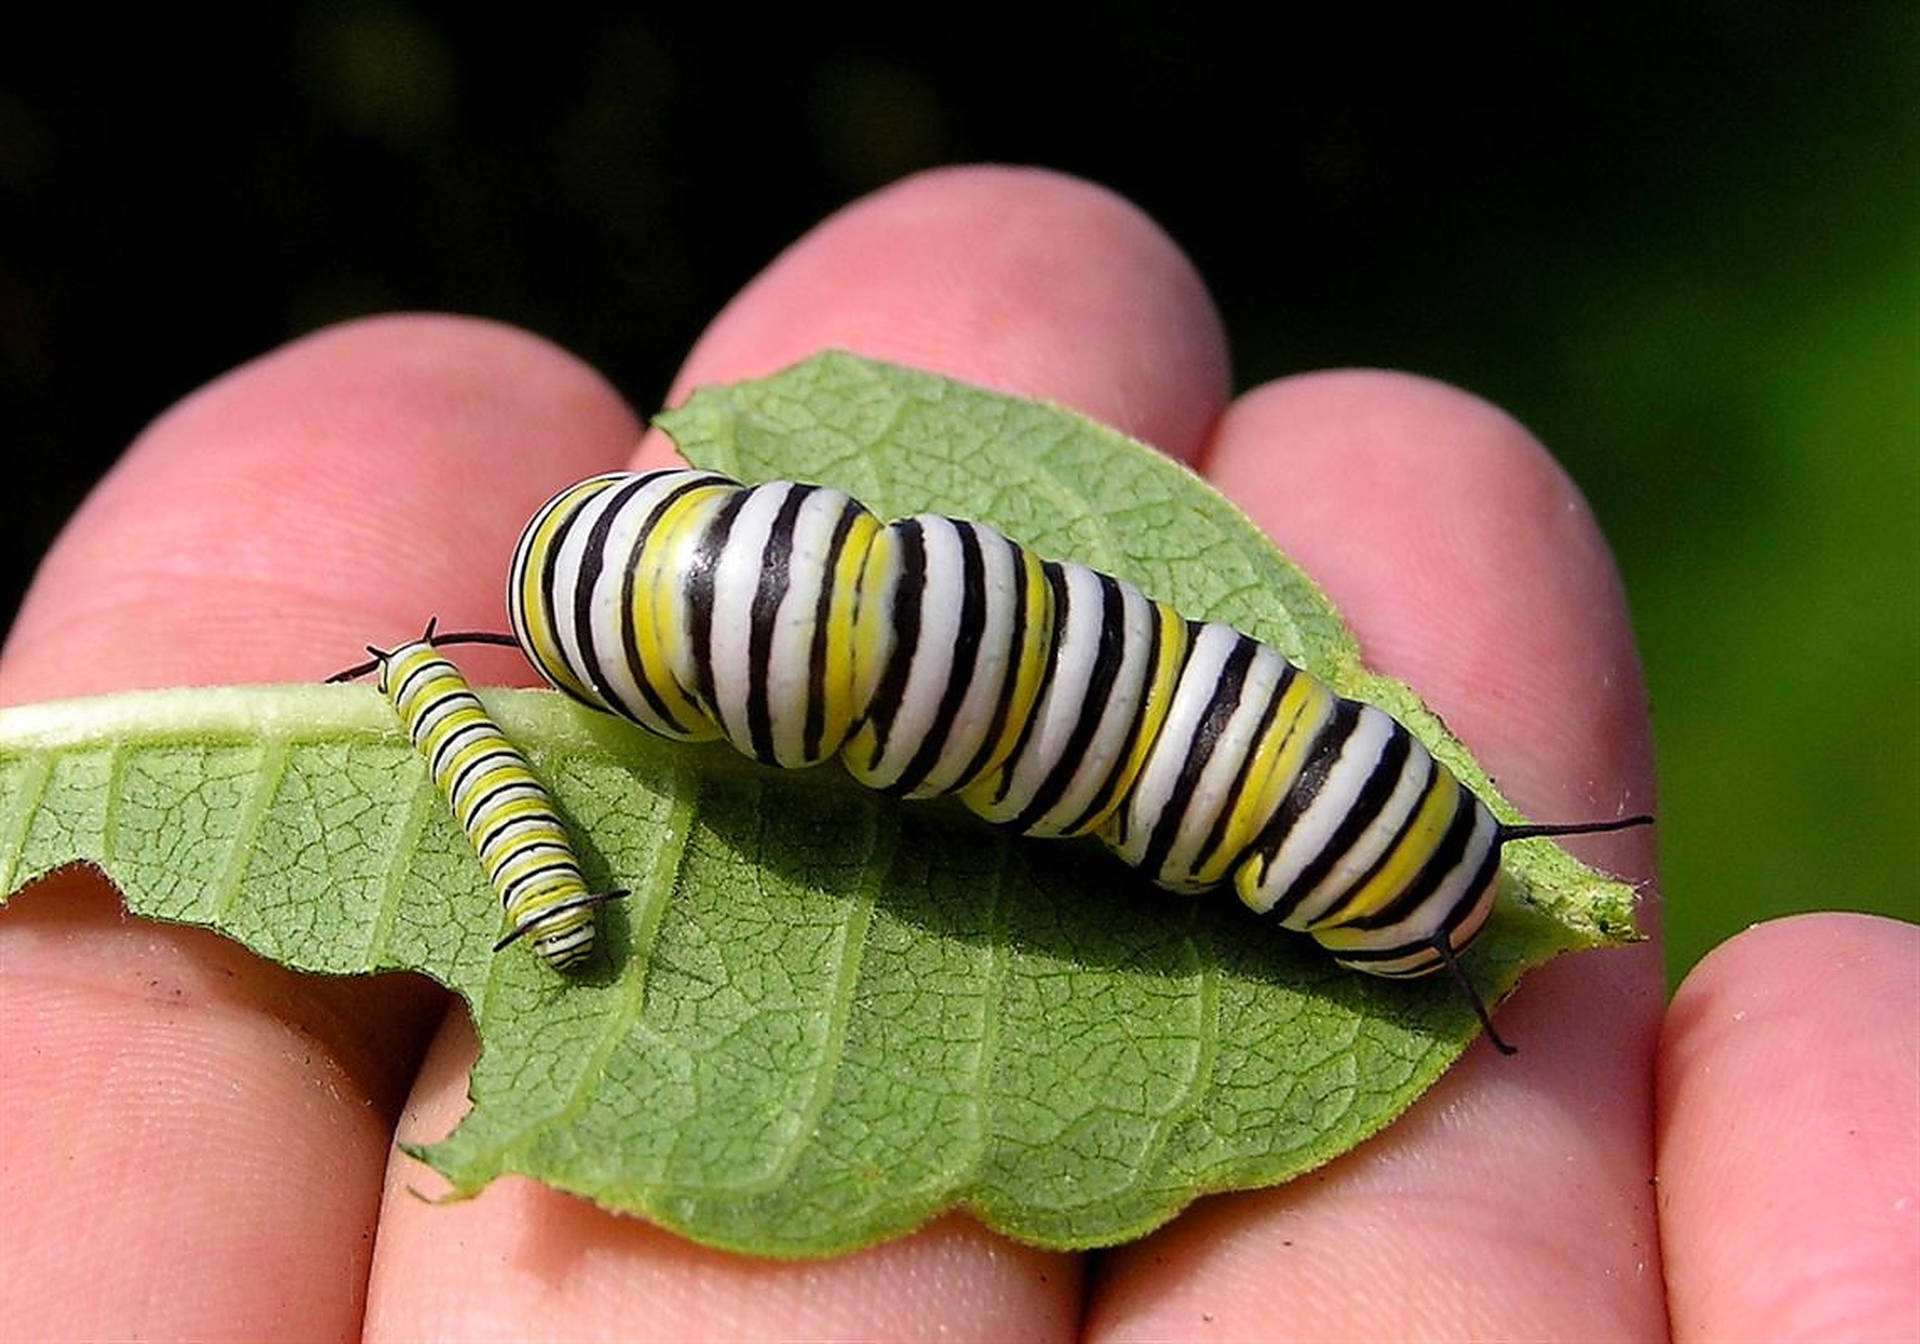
(196, 1143)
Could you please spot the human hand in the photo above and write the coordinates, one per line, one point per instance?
(199, 1143)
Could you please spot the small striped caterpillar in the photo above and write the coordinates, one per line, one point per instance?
(508, 815)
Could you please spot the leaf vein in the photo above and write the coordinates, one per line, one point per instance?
(37, 777)
(393, 874)
(852, 954)
(268, 774)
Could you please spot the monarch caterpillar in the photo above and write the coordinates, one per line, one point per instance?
(508, 815)
(936, 656)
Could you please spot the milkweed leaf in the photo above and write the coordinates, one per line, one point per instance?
(822, 1017)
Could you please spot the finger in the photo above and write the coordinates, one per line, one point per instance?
(1512, 1200)
(178, 1113)
(948, 270)
(1788, 1134)
(1016, 279)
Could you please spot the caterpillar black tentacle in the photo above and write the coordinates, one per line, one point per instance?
(359, 670)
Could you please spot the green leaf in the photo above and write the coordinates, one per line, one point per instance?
(822, 1017)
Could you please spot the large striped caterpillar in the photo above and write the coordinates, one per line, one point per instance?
(936, 656)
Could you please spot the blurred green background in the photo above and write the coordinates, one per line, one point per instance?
(1678, 242)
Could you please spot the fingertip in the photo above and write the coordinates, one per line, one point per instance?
(1376, 480)
(1789, 1064)
(346, 485)
(1811, 974)
(1020, 279)
(1468, 563)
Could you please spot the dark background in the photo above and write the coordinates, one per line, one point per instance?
(1680, 245)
